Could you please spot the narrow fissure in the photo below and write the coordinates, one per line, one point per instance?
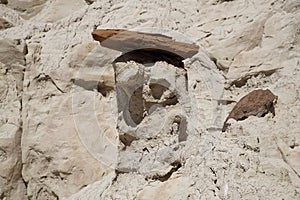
(176, 166)
(21, 117)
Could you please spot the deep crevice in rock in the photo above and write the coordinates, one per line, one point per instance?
(157, 90)
(250, 148)
(176, 166)
(172, 100)
(104, 89)
(25, 52)
(127, 139)
(89, 2)
(181, 123)
(150, 56)
(92, 85)
(3, 1)
(140, 105)
(218, 64)
(45, 77)
(136, 107)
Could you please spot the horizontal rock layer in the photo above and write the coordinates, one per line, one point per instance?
(126, 41)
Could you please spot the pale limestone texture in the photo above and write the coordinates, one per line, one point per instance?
(11, 80)
(26, 8)
(75, 126)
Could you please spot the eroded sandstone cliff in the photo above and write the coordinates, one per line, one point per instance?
(81, 121)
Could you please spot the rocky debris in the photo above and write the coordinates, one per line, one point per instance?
(256, 103)
(127, 41)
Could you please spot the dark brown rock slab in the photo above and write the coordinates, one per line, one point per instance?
(127, 41)
(256, 103)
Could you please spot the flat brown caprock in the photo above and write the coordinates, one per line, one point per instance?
(127, 41)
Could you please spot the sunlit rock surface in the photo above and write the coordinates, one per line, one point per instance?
(79, 121)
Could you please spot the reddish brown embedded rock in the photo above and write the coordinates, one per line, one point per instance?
(256, 103)
(126, 41)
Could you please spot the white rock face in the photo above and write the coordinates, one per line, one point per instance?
(11, 81)
(56, 10)
(27, 8)
(76, 125)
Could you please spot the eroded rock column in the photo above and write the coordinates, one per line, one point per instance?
(152, 121)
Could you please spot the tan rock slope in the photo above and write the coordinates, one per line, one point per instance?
(143, 118)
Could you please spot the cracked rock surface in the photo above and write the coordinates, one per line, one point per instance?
(81, 121)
